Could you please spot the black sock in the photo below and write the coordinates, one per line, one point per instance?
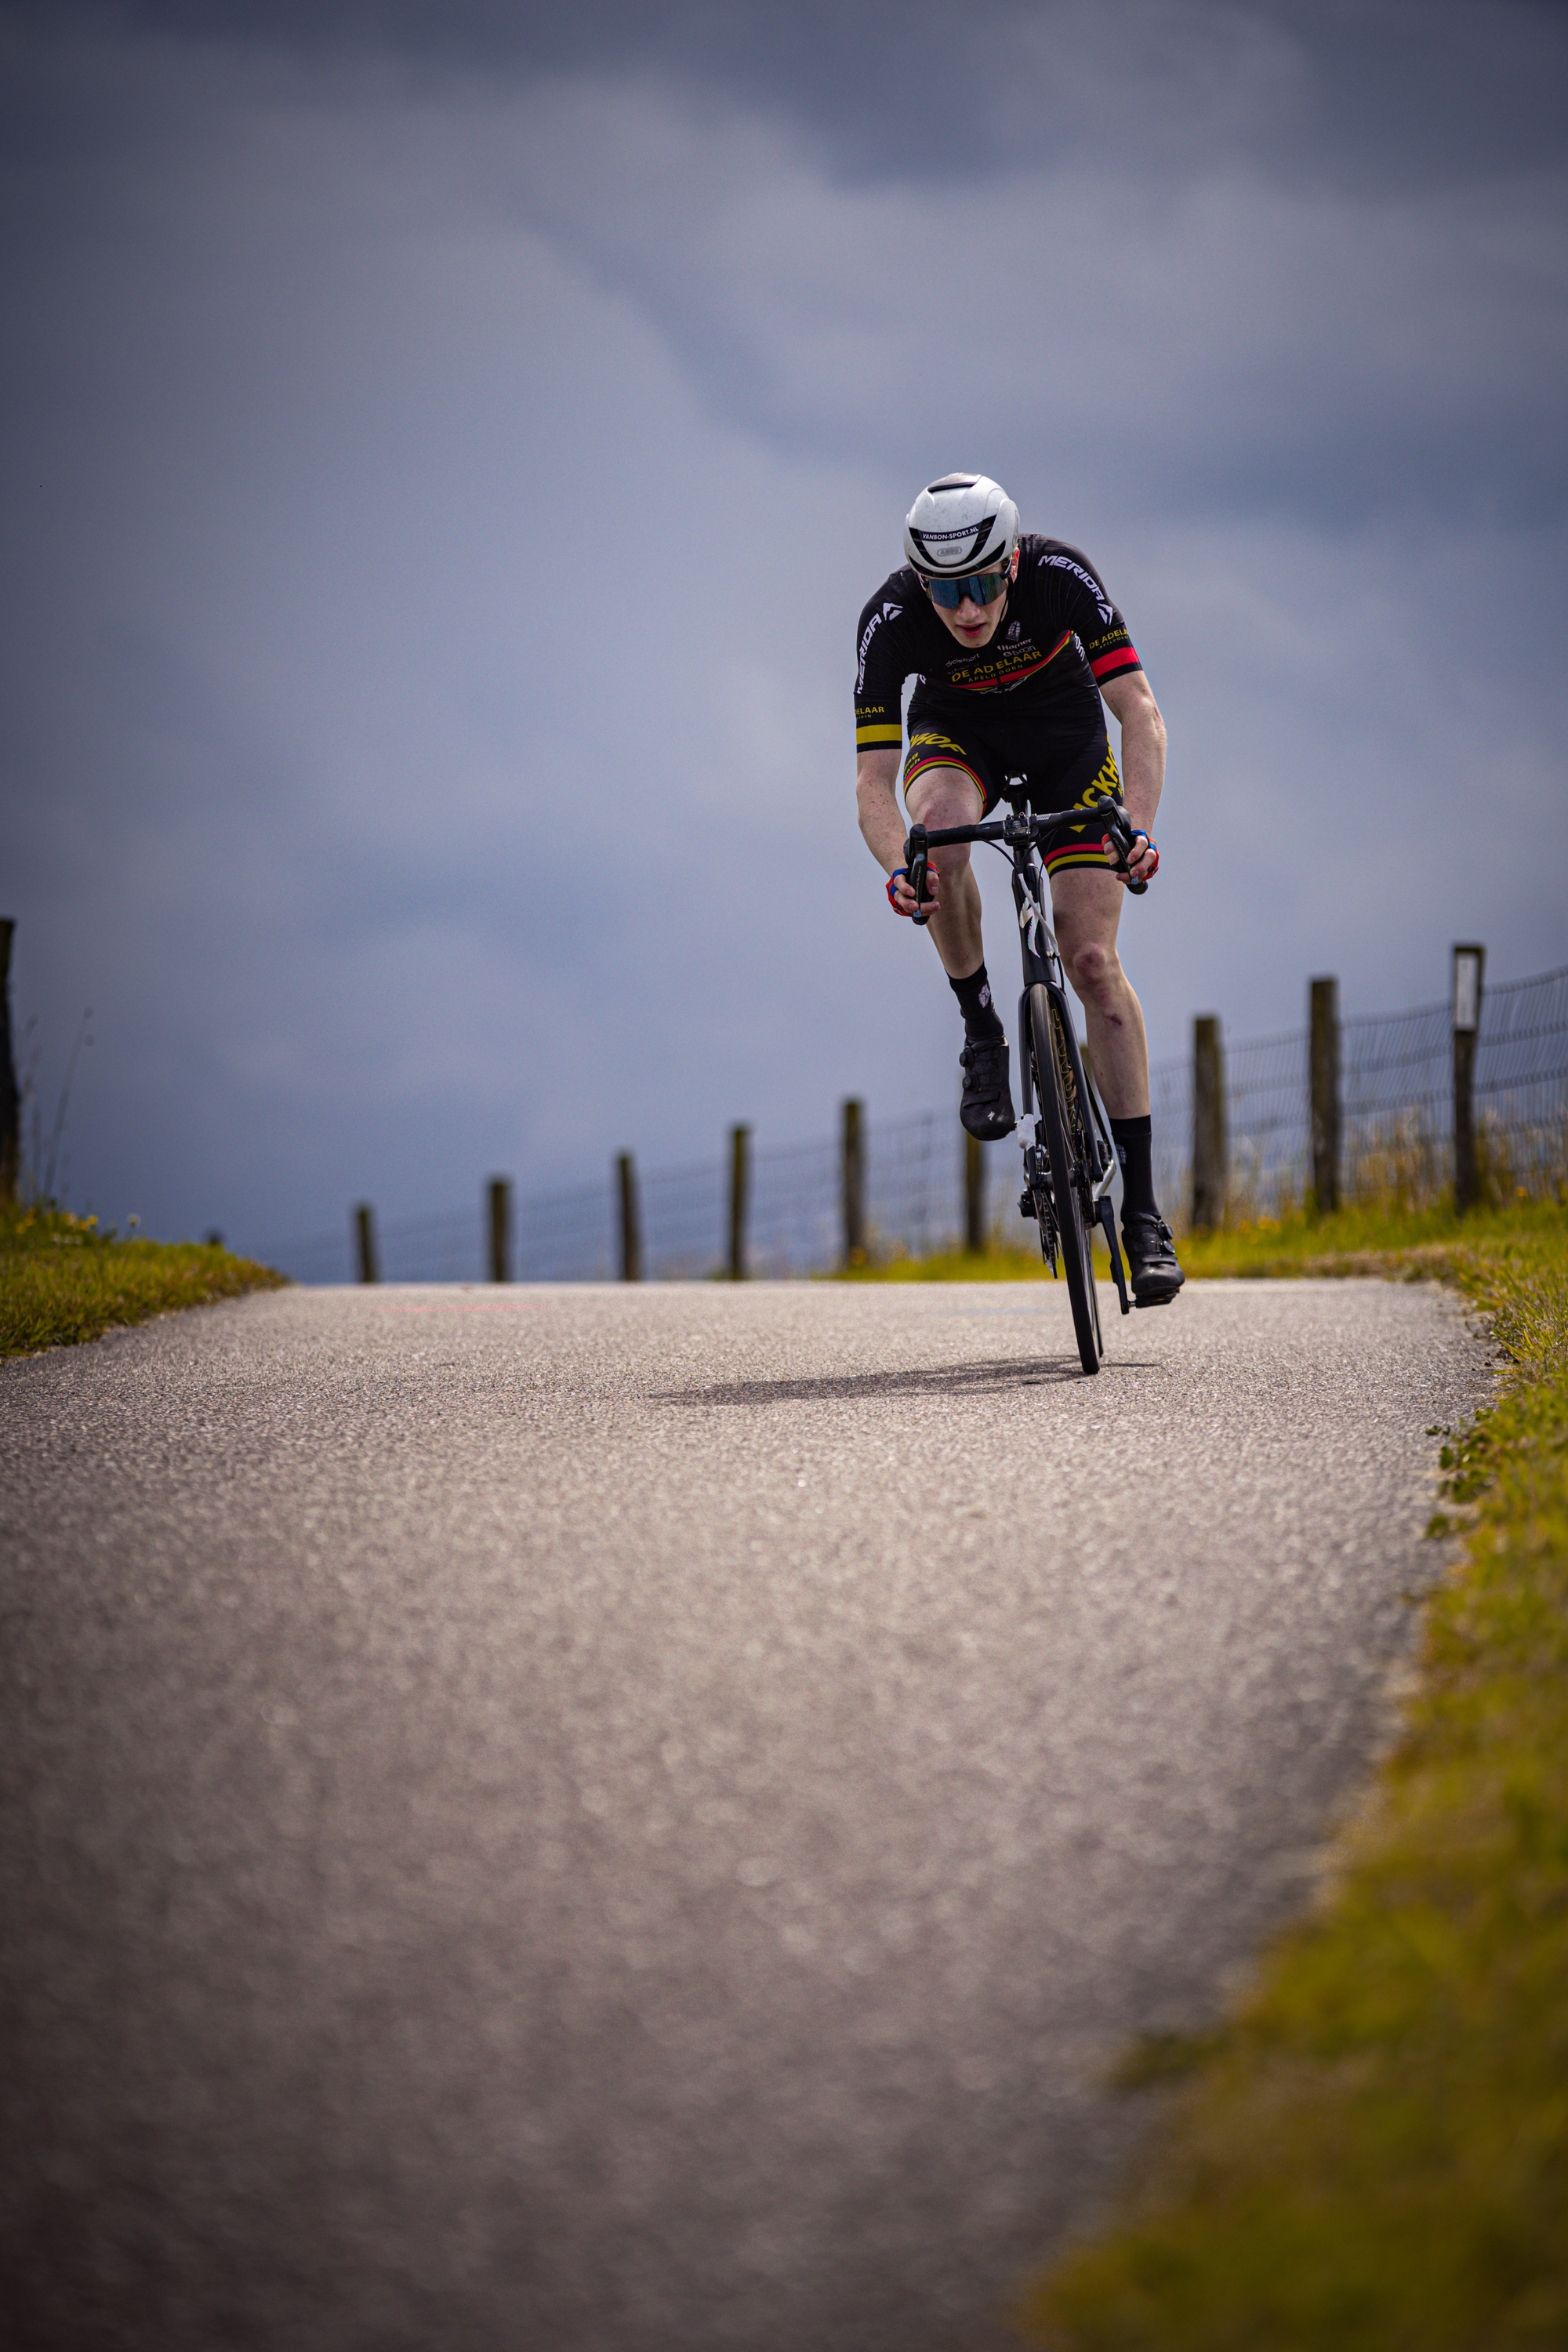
(980, 1016)
(1134, 1141)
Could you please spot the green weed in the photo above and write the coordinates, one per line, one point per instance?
(1371, 2153)
(1368, 1240)
(62, 1279)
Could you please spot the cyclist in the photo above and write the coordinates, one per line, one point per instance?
(1014, 643)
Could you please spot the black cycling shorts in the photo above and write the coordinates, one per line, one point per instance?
(991, 761)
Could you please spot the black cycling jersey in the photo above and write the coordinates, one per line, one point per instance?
(1059, 638)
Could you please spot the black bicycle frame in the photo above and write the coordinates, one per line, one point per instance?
(1025, 834)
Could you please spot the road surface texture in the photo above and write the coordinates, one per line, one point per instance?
(602, 1819)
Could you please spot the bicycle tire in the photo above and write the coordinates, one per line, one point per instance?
(1066, 1152)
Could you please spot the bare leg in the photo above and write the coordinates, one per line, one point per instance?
(1086, 908)
(938, 797)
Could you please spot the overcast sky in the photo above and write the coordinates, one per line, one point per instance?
(446, 450)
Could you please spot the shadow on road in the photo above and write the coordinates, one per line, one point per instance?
(1003, 1378)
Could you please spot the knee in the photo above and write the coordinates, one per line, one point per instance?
(1092, 967)
(952, 859)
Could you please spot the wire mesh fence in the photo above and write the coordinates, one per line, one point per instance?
(794, 1220)
(1397, 1104)
(794, 1223)
(1396, 1085)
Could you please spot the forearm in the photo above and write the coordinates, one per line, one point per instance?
(881, 820)
(1142, 760)
(1142, 766)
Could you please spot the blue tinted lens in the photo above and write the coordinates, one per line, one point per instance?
(984, 587)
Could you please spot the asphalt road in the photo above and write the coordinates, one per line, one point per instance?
(602, 1819)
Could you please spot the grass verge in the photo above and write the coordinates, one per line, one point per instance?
(1371, 2153)
(1413, 1242)
(62, 1280)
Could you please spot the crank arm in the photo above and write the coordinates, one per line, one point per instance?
(1107, 1219)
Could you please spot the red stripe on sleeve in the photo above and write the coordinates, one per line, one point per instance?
(1126, 658)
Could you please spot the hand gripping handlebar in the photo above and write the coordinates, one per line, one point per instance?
(1123, 834)
(922, 840)
(917, 866)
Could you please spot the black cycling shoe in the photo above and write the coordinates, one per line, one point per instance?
(987, 1109)
(1151, 1265)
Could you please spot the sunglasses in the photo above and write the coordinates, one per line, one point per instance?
(981, 587)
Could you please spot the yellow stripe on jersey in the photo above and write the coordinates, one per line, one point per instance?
(865, 737)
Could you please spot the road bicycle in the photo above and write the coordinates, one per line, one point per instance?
(1068, 1157)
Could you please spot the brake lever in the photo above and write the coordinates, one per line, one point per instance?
(917, 861)
(1121, 834)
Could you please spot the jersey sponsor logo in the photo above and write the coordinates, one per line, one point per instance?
(1009, 670)
(872, 625)
(1013, 629)
(888, 613)
(1065, 563)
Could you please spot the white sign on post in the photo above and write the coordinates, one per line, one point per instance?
(1467, 988)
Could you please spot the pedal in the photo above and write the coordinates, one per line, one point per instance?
(1025, 1205)
(1155, 1302)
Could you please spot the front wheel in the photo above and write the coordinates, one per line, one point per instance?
(1066, 1148)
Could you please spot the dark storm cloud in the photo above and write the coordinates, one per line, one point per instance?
(1328, 240)
(332, 337)
(1215, 339)
(1405, 92)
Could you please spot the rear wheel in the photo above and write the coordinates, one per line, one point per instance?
(1066, 1148)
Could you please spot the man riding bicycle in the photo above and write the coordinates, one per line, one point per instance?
(1013, 644)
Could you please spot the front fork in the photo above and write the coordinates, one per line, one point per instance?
(1042, 967)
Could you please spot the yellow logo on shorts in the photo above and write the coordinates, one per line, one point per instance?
(1107, 781)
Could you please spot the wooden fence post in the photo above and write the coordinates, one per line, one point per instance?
(364, 1242)
(1323, 1059)
(854, 1183)
(740, 1190)
(1209, 1144)
(974, 1236)
(1469, 966)
(499, 1191)
(631, 1223)
(10, 1093)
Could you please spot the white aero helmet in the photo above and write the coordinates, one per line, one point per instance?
(964, 523)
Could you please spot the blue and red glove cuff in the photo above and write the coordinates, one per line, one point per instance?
(1138, 834)
(892, 898)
